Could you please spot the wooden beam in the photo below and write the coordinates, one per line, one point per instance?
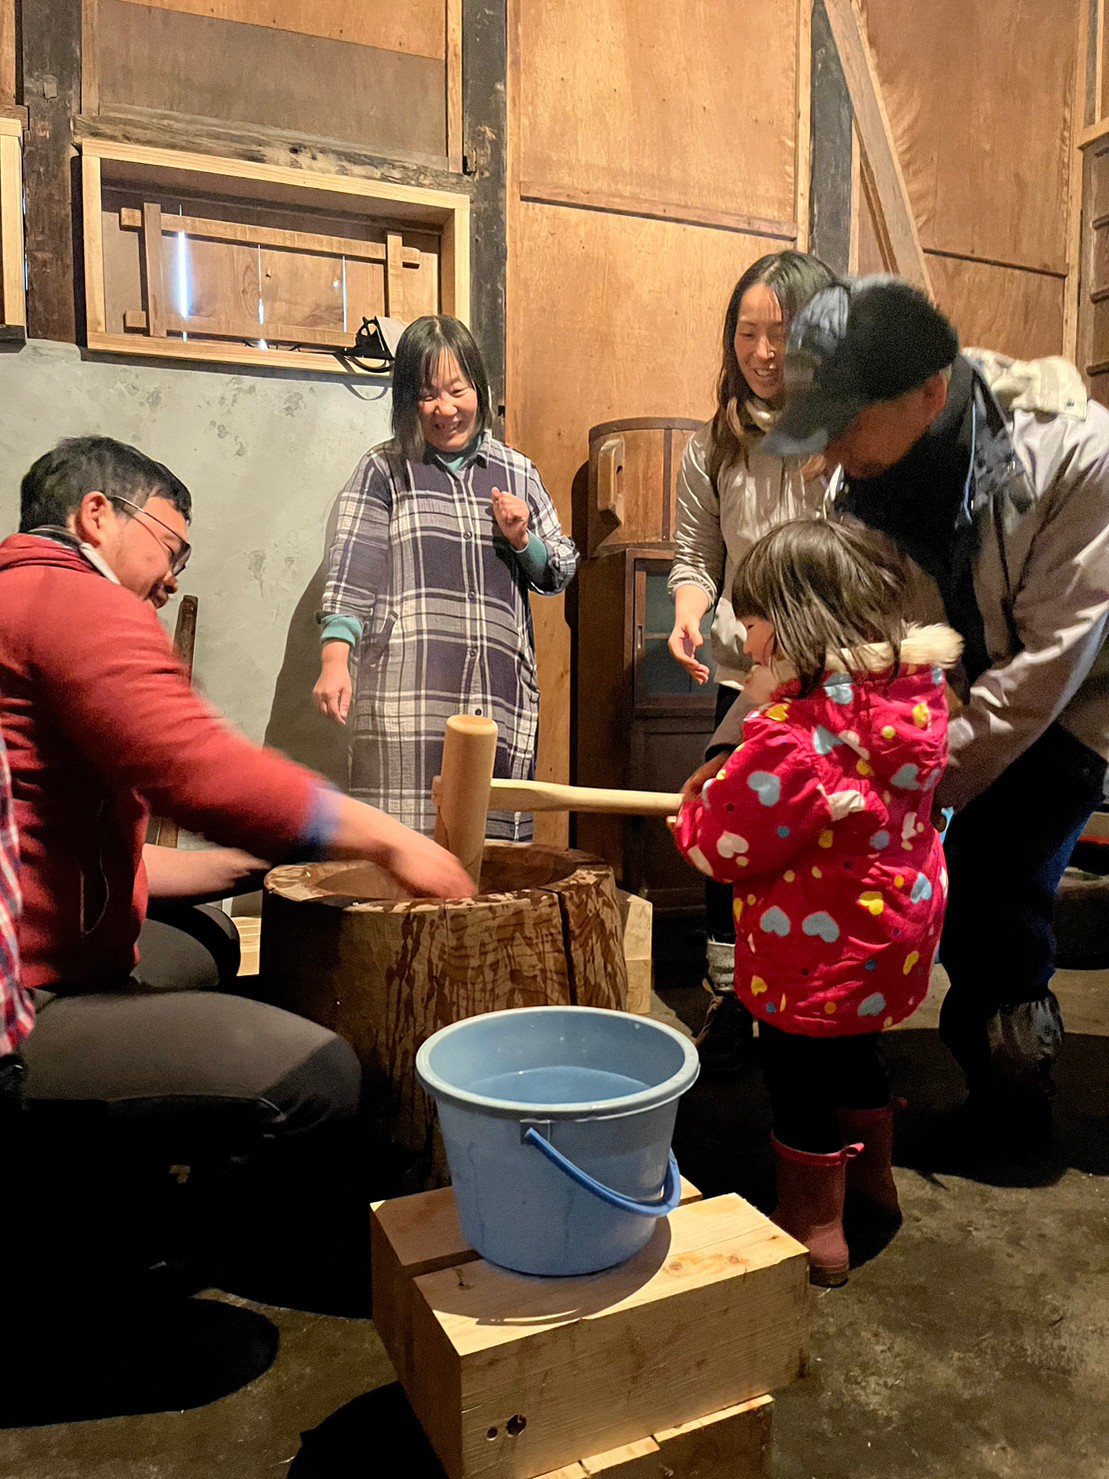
(90, 57)
(205, 229)
(8, 67)
(96, 321)
(485, 127)
(539, 193)
(304, 362)
(1089, 44)
(279, 183)
(453, 51)
(831, 199)
(856, 199)
(51, 92)
(880, 160)
(153, 267)
(394, 275)
(158, 129)
(12, 298)
(802, 157)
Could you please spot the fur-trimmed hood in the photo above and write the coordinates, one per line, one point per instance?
(934, 646)
(875, 712)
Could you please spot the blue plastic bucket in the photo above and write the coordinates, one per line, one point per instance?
(557, 1124)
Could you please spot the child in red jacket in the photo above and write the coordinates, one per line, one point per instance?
(822, 822)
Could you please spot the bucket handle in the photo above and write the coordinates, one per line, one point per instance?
(671, 1187)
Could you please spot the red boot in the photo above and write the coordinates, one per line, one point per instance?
(870, 1180)
(810, 1207)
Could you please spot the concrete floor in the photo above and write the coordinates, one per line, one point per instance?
(976, 1344)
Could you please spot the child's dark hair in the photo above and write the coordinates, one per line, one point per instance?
(824, 587)
(421, 346)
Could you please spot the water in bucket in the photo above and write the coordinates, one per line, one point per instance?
(557, 1124)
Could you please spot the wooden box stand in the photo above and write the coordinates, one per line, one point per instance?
(657, 1369)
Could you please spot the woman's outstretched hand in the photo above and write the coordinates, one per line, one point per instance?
(684, 641)
(512, 515)
(333, 690)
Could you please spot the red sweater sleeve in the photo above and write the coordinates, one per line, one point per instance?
(124, 701)
(764, 806)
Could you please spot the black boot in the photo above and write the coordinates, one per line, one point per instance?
(1007, 1057)
(725, 1039)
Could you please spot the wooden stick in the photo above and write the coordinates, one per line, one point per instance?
(547, 796)
(462, 792)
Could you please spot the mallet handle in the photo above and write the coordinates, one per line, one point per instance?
(547, 796)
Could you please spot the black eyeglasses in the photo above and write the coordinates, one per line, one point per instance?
(179, 555)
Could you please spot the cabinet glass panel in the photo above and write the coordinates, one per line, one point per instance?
(657, 675)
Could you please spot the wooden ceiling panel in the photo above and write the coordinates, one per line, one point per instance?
(689, 105)
(655, 290)
(313, 85)
(1003, 308)
(984, 127)
(7, 51)
(414, 26)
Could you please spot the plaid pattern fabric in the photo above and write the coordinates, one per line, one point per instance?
(17, 1012)
(447, 629)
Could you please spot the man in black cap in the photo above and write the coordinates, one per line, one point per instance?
(992, 476)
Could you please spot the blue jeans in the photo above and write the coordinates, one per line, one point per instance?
(1006, 853)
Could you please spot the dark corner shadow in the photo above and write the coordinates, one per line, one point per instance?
(722, 1136)
(379, 1423)
(120, 1362)
(931, 1136)
(294, 726)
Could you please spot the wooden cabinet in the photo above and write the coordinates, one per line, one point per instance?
(639, 721)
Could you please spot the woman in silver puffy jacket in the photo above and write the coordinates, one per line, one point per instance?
(730, 493)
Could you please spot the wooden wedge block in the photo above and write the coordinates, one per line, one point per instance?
(637, 915)
(410, 1236)
(733, 1444)
(512, 1376)
(416, 1235)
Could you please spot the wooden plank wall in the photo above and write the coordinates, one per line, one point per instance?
(644, 176)
(293, 66)
(985, 131)
(384, 77)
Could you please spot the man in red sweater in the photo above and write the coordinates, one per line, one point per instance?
(101, 726)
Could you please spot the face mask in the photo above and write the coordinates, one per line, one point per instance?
(63, 536)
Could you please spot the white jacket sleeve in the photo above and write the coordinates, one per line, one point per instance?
(1060, 616)
(698, 542)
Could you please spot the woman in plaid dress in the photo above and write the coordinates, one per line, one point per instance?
(442, 534)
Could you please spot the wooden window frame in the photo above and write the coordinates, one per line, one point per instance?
(14, 296)
(106, 162)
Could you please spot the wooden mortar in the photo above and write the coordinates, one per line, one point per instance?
(341, 946)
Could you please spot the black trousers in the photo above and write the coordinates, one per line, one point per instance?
(127, 1087)
(808, 1078)
(1006, 853)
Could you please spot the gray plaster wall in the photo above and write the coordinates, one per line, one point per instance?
(264, 455)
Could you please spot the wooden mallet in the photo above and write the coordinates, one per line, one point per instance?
(466, 792)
